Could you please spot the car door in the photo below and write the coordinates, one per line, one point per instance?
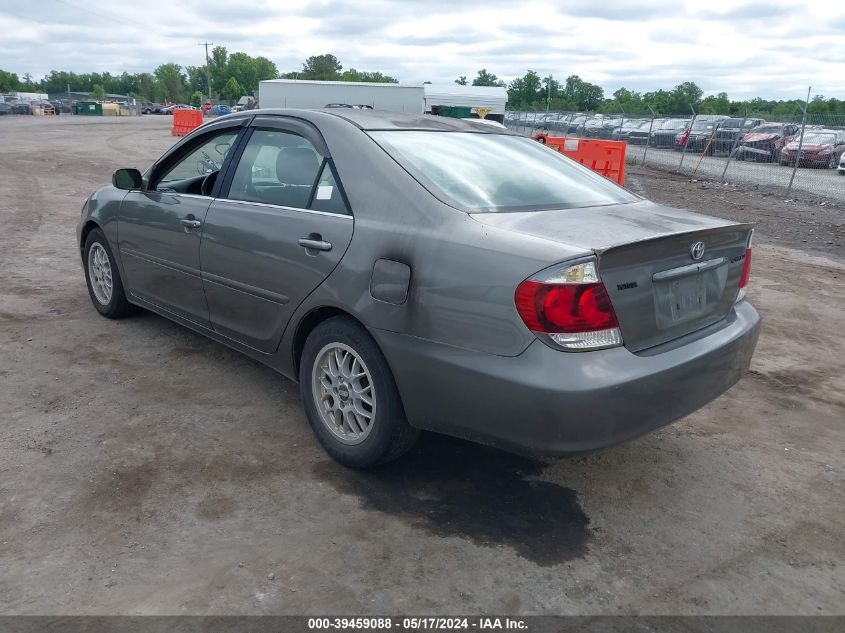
(279, 228)
(159, 228)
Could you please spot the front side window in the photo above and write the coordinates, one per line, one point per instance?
(497, 172)
(207, 158)
(277, 167)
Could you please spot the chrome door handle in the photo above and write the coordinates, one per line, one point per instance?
(317, 245)
(191, 224)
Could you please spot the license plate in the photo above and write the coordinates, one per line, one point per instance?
(688, 297)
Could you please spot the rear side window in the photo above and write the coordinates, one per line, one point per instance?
(328, 196)
(278, 168)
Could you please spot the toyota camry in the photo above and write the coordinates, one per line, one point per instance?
(415, 272)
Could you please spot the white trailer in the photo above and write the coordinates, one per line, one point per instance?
(28, 96)
(293, 93)
(492, 99)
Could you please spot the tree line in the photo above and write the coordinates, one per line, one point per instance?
(532, 92)
(234, 75)
(231, 76)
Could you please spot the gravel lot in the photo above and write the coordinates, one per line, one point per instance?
(147, 470)
(808, 180)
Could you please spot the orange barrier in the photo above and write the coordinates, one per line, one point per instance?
(604, 157)
(184, 121)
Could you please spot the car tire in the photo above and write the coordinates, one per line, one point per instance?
(341, 365)
(102, 277)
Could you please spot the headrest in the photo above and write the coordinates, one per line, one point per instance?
(297, 166)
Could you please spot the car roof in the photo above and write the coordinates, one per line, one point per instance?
(372, 120)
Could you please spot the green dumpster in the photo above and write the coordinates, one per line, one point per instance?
(455, 112)
(89, 108)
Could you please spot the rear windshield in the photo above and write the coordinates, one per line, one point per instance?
(738, 123)
(674, 124)
(482, 173)
(703, 124)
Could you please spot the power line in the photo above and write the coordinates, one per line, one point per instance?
(102, 15)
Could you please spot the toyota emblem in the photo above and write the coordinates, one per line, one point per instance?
(696, 251)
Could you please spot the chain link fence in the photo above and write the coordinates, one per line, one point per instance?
(789, 153)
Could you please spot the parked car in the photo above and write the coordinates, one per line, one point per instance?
(559, 125)
(820, 148)
(764, 143)
(642, 136)
(700, 135)
(5, 108)
(220, 109)
(553, 122)
(593, 127)
(842, 164)
(521, 300)
(623, 132)
(21, 107)
(575, 125)
(63, 106)
(731, 131)
(169, 109)
(147, 107)
(45, 106)
(609, 124)
(664, 136)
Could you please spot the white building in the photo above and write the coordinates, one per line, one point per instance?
(294, 93)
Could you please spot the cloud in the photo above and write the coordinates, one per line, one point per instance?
(754, 11)
(743, 48)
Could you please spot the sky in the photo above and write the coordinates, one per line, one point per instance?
(774, 49)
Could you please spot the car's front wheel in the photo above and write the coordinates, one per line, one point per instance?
(350, 397)
(103, 278)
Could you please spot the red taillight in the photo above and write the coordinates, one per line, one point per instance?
(746, 268)
(559, 308)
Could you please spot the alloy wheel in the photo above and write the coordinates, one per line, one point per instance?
(344, 393)
(99, 273)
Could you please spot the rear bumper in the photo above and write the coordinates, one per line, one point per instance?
(548, 402)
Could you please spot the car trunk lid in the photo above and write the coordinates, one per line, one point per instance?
(659, 290)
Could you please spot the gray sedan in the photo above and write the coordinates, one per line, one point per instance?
(418, 272)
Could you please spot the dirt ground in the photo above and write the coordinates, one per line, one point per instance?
(147, 470)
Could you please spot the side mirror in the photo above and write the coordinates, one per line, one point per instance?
(127, 179)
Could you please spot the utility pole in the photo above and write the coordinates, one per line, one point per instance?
(549, 99)
(207, 66)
